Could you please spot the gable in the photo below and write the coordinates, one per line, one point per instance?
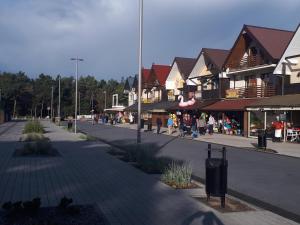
(257, 46)
(293, 63)
(199, 66)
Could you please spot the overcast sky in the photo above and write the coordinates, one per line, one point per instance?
(40, 36)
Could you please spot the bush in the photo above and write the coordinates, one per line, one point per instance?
(31, 137)
(177, 175)
(38, 148)
(145, 157)
(33, 127)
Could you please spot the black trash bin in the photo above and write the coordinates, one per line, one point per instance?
(142, 123)
(261, 139)
(216, 176)
(149, 125)
(70, 124)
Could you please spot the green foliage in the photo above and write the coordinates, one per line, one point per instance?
(37, 148)
(177, 175)
(146, 159)
(33, 96)
(33, 127)
(22, 208)
(65, 205)
(30, 137)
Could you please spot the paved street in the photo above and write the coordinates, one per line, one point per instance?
(271, 180)
(86, 173)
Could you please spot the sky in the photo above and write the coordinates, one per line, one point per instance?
(40, 36)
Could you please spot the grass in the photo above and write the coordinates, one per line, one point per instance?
(178, 175)
(33, 126)
(37, 148)
(32, 137)
(87, 137)
(145, 157)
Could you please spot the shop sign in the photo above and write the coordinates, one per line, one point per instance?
(232, 93)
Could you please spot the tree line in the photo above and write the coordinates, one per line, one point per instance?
(24, 96)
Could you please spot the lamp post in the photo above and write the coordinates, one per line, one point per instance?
(140, 70)
(104, 92)
(76, 89)
(58, 108)
(51, 103)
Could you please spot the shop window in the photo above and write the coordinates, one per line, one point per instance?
(257, 120)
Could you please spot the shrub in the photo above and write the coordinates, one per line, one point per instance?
(177, 175)
(38, 148)
(31, 137)
(33, 127)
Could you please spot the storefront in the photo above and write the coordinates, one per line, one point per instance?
(230, 115)
(266, 113)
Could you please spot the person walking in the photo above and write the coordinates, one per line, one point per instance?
(201, 124)
(170, 124)
(158, 124)
(181, 127)
(211, 122)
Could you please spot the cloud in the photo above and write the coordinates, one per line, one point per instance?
(40, 35)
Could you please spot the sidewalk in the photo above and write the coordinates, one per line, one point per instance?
(127, 196)
(288, 149)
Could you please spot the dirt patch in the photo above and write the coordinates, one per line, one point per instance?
(231, 205)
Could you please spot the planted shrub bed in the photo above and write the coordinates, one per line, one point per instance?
(178, 175)
(143, 157)
(30, 213)
(33, 126)
(41, 148)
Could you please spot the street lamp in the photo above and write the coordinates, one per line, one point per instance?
(140, 70)
(58, 108)
(104, 92)
(76, 87)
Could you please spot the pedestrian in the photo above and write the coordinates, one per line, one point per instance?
(158, 124)
(130, 118)
(194, 123)
(181, 127)
(170, 124)
(201, 124)
(211, 122)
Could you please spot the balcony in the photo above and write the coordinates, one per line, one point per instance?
(210, 94)
(251, 92)
(246, 63)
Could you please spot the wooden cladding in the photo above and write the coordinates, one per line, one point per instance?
(246, 53)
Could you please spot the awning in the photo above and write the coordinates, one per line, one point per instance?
(284, 102)
(230, 105)
(115, 109)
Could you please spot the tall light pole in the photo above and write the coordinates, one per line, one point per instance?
(76, 89)
(51, 103)
(58, 108)
(140, 70)
(104, 92)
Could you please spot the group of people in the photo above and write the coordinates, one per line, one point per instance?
(189, 124)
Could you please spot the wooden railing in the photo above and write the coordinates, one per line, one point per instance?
(247, 63)
(256, 91)
(210, 94)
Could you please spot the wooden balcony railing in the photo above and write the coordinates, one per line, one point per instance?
(210, 94)
(246, 63)
(255, 91)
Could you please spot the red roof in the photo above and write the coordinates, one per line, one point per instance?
(230, 105)
(274, 41)
(161, 73)
(145, 74)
